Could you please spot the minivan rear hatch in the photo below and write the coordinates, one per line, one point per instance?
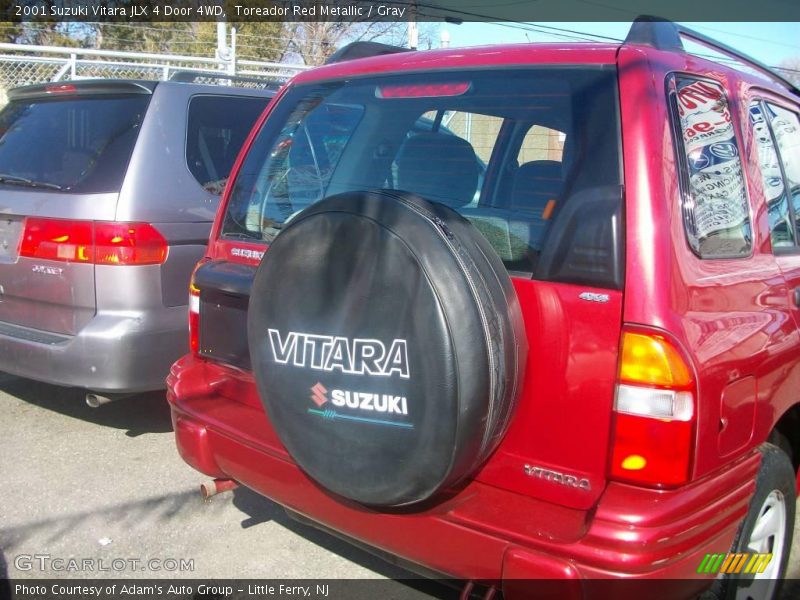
(64, 151)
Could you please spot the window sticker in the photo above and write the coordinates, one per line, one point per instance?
(716, 184)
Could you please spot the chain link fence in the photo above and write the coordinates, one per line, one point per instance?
(26, 64)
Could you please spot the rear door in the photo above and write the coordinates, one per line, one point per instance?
(548, 199)
(64, 150)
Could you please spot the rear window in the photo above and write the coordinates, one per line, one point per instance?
(217, 128)
(529, 156)
(80, 145)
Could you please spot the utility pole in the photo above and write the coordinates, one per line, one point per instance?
(224, 53)
(222, 42)
(413, 32)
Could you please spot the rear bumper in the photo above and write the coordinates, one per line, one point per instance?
(116, 352)
(483, 532)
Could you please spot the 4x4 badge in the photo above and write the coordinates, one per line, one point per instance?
(593, 297)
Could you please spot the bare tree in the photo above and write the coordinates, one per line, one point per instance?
(314, 42)
(790, 68)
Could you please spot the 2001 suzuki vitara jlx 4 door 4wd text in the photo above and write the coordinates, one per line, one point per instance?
(556, 336)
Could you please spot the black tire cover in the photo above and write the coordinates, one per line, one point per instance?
(387, 344)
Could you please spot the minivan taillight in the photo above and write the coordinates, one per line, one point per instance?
(93, 242)
(654, 412)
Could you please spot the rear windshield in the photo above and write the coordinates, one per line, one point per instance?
(80, 145)
(509, 150)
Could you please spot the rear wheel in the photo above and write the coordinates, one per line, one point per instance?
(767, 529)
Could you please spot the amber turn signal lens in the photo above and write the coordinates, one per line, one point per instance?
(652, 360)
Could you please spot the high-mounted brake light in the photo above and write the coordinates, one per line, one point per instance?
(64, 88)
(654, 412)
(422, 90)
(94, 242)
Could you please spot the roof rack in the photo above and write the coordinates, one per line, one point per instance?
(666, 35)
(363, 50)
(189, 76)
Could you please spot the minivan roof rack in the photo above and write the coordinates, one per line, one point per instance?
(666, 35)
(189, 76)
(356, 50)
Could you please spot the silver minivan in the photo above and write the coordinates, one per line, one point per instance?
(107, 194)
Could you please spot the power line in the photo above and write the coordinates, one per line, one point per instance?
(750, 37)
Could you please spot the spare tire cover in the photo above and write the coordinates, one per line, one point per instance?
(387, 344)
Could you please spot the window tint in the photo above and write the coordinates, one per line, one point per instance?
(436, 135)
(217, 128)
(780, 225)
(715, 205)
(79, 144)
(786, 129)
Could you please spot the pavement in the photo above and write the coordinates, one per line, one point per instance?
(107, 484)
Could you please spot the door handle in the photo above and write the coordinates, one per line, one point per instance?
(797, 296)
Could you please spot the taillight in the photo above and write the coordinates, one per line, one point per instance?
(57, 239)
(128, 244)
(194, 312)
(654, 412)
(94, 242)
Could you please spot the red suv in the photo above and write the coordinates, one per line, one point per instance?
(513, 313)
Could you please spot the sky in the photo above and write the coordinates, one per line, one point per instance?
(771, 43)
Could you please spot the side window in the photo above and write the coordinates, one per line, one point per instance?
(216, 130)
(715, 205)
(542, 143)
(479, 130)
(786, 129)
(539, 181)
(780, 223)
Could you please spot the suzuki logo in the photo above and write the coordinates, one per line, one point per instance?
(318, 396)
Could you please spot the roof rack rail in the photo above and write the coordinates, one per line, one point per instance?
(356, 50)
(189, 76)
(666, 35)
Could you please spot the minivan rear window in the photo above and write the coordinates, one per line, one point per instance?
(217, 128)
(80, 145)
(549, 203)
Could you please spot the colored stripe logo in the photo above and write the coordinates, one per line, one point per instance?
(332, 415)
(734, 563)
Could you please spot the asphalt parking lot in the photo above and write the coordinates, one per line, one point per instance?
(107, 483)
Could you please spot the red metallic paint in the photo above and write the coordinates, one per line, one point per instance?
(732, 318)
(633, 531)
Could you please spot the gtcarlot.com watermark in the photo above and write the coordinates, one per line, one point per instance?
(58, 564)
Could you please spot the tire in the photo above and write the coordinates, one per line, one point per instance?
(775, 494)
(418, 285)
